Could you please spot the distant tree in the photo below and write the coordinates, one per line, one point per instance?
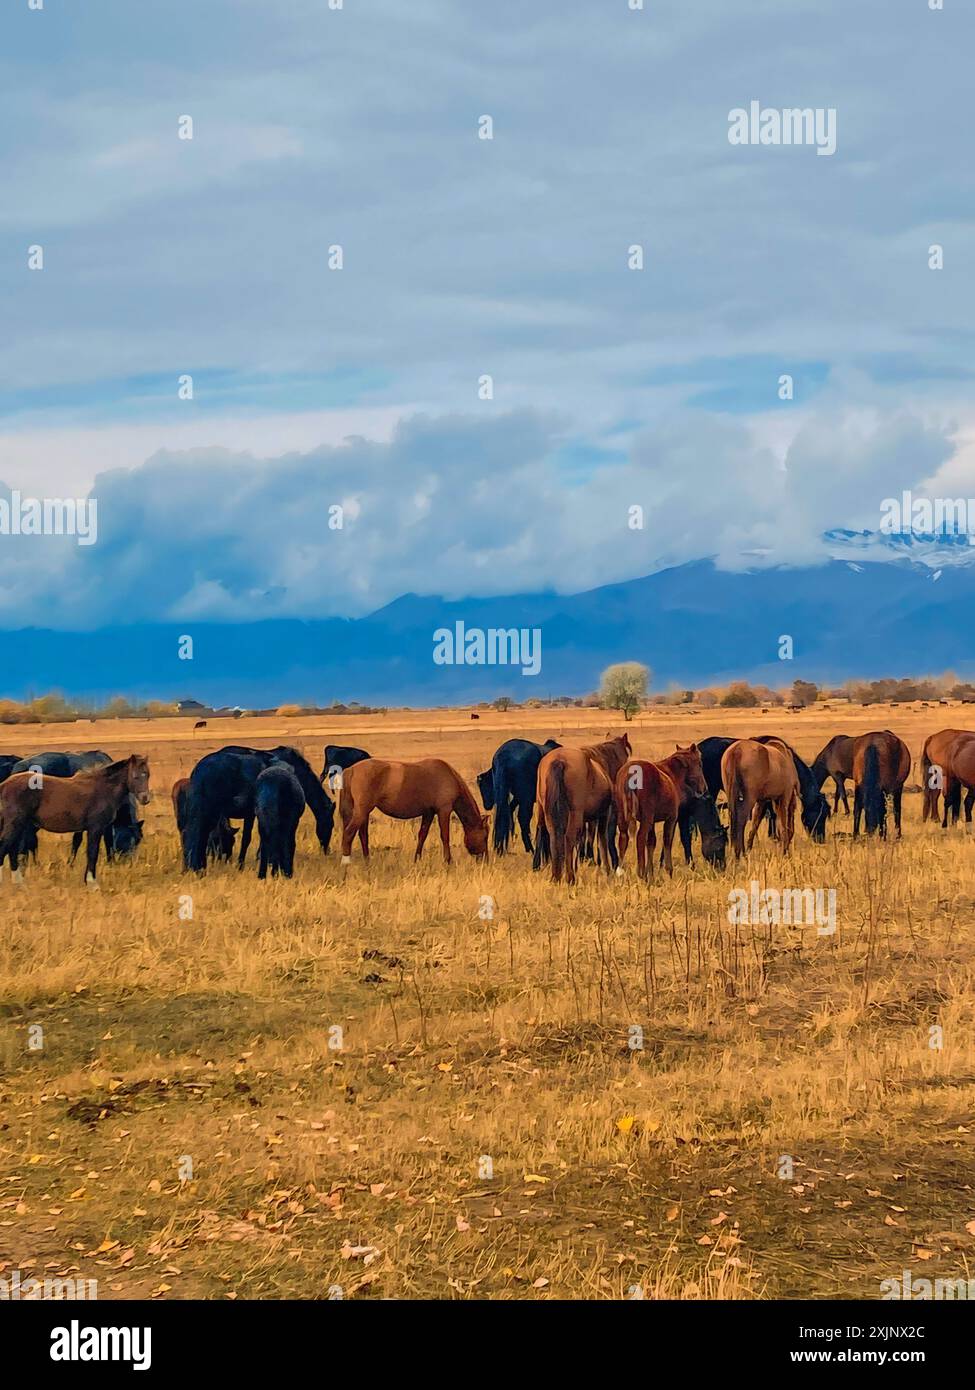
(706, 699)
(624, 687)
(503, 702)
(804, 692)
(739, 695)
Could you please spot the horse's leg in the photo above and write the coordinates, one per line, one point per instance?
(623, 826)
(525, 823)
(94, 836)
(670, 825)
(684, 830)
(443, 818)
(602, 834)
(897, 809)
(245, 839)
(262, 857)
(758, 815)
(76, 840)
(426, 820)
(364, 838)
(649, 833)
(773, 828)
(574, 830)
(857, 808)
(787, 818)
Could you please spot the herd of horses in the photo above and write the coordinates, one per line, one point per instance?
(586, 803)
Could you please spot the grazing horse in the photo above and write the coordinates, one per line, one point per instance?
(509, 785)
(222, 787)
(425, 789)
(959, 771)
(8, 761)
(815, 806)
(337, 760)
(836, 761)
(278, 804)
(574, 788)
(648, 792)
(881, 763)
(933, 756)
(57, 764)
(757, 775)
(89, 802)
(121, 839)
(701, 814)
(220, 845)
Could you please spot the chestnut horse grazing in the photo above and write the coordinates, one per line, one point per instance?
(427, 788)
(935, 774)
(649, 792)
(881, 763)
(756, 776)
(836, 761)
(573, 789)
(88, 801)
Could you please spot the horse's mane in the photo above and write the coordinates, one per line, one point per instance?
(599, 752)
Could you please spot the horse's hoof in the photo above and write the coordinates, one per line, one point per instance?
(619, 872)
(17, 876)
(92, 882)
(346, 858)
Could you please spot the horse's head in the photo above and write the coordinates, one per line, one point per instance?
(714, 837)
(690, 761)
(815, 814)
(476, 837)
(126, 839)
(137, 778)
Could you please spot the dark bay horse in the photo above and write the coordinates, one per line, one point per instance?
(646, 792)
(220, 845)
(278, 804)
(222, 787)
(934, 777)
(573, 789)
(338, 759)
(881, 764)
(757, 775)
(88, 801)
(836, 761)
(509, 786)
(422, 790)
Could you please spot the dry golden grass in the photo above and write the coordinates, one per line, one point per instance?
(504, 1038)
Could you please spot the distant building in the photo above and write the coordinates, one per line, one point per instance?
(192, 707)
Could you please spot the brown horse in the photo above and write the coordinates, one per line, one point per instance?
(574, 789)
(406, 791)
(836, 761)
(756, 776)
(881, 763)
(89, 801)
(649, 792)
(957, 767)
(934, 773)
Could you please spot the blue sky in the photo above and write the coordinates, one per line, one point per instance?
(465, 257)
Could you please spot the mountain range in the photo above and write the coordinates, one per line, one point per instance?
(881, 605)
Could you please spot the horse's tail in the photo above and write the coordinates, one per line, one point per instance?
(504, 824)
(739, 816)
(929, 799)
(194, 831)
(557, 811)
(874, 805)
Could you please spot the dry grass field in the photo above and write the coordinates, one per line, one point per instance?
(485, 1130)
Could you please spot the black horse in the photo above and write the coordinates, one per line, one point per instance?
(815, 807)
(509, 784)
(337, 759)
(222, 785)
(278, 804)
(8, 762)
(220, 845)
(701, 814)
(122, 838)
